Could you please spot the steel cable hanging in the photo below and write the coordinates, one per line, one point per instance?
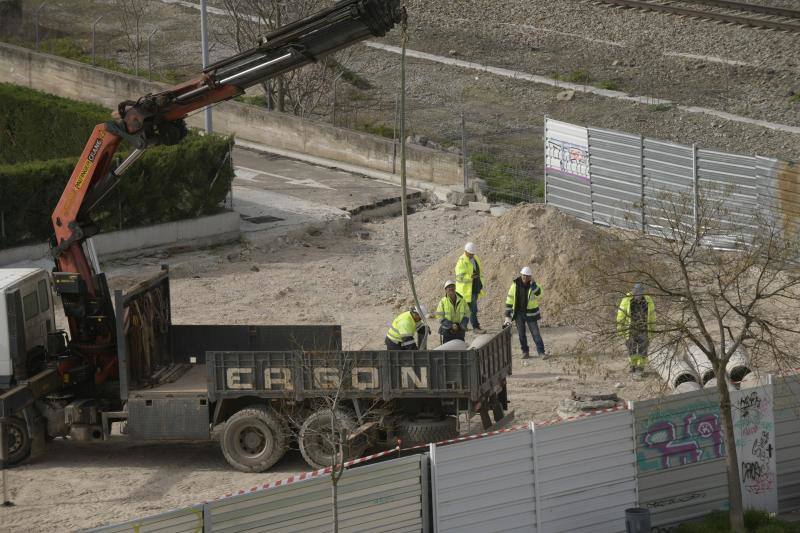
(403, 197)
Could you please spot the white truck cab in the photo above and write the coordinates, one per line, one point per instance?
(26, 317)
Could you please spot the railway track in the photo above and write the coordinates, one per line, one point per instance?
(726, 11)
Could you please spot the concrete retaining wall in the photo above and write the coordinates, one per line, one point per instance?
(79, 81)
(204, 231)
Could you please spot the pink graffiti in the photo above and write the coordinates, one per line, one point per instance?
(682, 446)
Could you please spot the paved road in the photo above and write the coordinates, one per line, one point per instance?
(271, 192)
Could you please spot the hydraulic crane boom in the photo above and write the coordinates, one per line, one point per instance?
(158, 119)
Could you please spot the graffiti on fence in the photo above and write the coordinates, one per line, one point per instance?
(674, 500)
(682, 436)
(754, 427)
(567, 158)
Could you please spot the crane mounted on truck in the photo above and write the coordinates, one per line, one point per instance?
(249, 386)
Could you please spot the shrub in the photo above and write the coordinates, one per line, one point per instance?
(36, 126)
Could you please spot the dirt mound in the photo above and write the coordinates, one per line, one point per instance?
(558, 247)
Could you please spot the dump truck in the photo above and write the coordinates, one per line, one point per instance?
(255, 388)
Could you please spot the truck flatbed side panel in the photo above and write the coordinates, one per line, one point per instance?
(361, 374)
(195, 340)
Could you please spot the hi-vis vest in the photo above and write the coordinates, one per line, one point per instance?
(532, 310)
(624, 315)
(464, 273)
(452, 313)
(403, 329)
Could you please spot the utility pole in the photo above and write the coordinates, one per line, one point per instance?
(204, 44)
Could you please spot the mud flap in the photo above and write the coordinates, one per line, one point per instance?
(37, 430)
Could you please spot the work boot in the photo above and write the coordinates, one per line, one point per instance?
(478, 329)
(632, 369)
(526, 355)
(544, 355)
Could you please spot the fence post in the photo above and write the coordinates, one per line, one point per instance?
(394, 134)
(641, 177)
(94, 33)
(591, 184)
(149, 63)
(464, 158)
(38, 10)
(544, 140)
(2, 225)
(536, 485)
(696, 194)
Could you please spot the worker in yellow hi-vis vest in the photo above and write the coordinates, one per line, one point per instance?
(401, 334)
(636, 318)
(469, 281)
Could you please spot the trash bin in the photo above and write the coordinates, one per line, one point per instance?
(637, 520)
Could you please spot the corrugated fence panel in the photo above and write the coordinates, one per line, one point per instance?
(615, 163)
(680, 456)
(586, 473)
(186, 520)
(668, 182)
(567, 168)
(385, 497)
(779, 193)
(787, 442)
(485, 485)
(728, 186)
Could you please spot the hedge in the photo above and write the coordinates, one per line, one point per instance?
(168, 183)
(41, 137)
(35, 126)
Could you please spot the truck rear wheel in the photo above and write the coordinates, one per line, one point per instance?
(19, 442)
(426, 430)
(319, 447)
(254, 439)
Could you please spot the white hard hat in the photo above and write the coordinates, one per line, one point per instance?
(448, 283)
(470, 248)
(421, 310)
(526, 271)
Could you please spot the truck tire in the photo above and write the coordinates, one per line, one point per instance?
(19, 442)
(315, 441)
(426, 430)
(254, 439)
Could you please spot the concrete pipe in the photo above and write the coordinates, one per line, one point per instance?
(687, 386)
(712, 384)
(453, 345)
(672, 369)
(702, 366)
(480, 341)
(753, 379)
(738, 365)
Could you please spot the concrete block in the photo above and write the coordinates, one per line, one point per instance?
(480, 206)
(460, 198)
(498, 210)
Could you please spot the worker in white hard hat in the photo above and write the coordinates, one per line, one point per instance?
(469, 281)
(522, 307)
(453, 314)
(401, 334)
(636, 318)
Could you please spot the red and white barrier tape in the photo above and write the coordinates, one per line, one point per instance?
(552, 421)
(397, 449)
(303, 476)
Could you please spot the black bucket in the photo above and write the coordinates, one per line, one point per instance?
(637, 520)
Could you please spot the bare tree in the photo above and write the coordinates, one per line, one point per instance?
(334, 426)
(301, 91)
(745, 295)
(132, 15)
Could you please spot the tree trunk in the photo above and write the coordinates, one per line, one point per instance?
(731, 457)
(335, 497)
(281, 94)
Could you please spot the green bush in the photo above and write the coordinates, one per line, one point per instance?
(754, 522)
(35, 126)
(168, 183)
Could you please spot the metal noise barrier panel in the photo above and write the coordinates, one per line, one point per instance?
(787, 441)
(586, 474)
(186, 520)
(485, 485)
(617, 182)
(386, 497)
(567, 183)
(680, 457)
(779, 193)
(669, 178)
